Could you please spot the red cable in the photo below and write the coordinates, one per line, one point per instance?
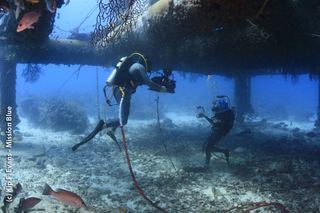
(136, 185)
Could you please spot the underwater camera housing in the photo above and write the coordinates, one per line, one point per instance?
(166, 79)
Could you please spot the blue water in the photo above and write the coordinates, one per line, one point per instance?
(276, 95)
(74, 15)
(271, 96)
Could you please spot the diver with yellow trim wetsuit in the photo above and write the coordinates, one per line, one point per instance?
(130, 72)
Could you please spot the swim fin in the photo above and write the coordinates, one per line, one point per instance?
(97, 129)
(113, 137)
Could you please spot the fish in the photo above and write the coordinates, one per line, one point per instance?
(51, 5)
(33, 1)
(4, 5)
(26, 204)
(65, 196)
(28, 20)
(16, 190)
(20, 6)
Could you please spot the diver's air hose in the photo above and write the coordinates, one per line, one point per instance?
(136, 185)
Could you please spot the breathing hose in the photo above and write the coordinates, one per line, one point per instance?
(136, 185)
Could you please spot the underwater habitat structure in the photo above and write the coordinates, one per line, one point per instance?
(236, 39)
(239, 40)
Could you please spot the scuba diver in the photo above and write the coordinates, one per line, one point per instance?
(129, 73)
(222, 123)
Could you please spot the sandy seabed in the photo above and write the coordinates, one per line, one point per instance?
(271, 161)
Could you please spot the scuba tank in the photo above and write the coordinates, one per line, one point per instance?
(111, 79)
(119, 75)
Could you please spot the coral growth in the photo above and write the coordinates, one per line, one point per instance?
(31, 73)
(57, 115)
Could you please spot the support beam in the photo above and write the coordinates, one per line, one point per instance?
(8, 92)
(69, 52)
(63, 51)
(242, 96)
(201, 36)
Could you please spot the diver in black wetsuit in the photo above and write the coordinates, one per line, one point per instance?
(222, 123)
(129, 73)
